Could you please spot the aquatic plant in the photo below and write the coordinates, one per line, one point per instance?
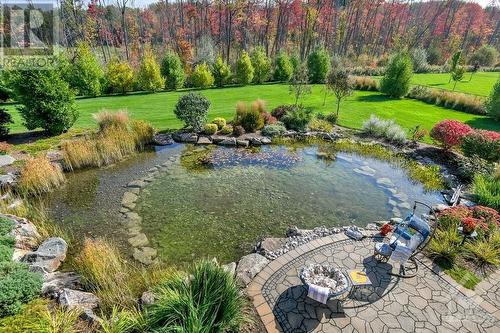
(114, 281)
(143, 133)
(209, 301)
(39, 175)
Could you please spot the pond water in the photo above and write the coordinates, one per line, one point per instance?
(216, 201)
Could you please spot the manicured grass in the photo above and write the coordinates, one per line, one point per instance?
(480, 84)
(158, 108)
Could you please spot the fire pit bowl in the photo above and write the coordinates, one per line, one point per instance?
(326, 276)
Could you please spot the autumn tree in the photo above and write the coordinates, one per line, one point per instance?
(120, 75)
(244, 69)
(318, 65)
(397, 77)
(299, 83)
(173, 72)
(284, 68)
(261, 65)
(338, 83)
(149, 77)
(221, 72)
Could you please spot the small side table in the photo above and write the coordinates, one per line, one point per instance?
(360, 282)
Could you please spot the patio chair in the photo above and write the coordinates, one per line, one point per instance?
(408, 239)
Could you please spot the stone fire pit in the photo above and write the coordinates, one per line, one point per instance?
(325, 276)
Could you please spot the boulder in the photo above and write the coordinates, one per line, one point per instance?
(255, 141)
(137, 184)
(6, 160)
(55, 156)
(270, 245)
(162, 139)
(439, 207)
(265, 140)
(242, 143)
(76, 299)
(7, 180)
(185, 137)
(386, 182)
(145, 255)
(147, 298)
(230, 268)
(54, 283)
(24, 233)
(48, 257)
(228, 142)
(249, 266)
(294, 231)
(138, 240)
(128, 200)
(204, 140)
(219, 138)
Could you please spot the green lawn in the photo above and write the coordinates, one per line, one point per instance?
(481, 83)
(158, 108)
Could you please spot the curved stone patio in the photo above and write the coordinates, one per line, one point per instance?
(429, 302)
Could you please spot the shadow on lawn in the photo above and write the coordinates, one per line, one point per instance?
(484, 123)
(375, 98)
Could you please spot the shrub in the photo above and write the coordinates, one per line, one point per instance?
(120, 76)
(485, 144)
(220, 122)
(17, 286)
(221, 72)
(273, 130)
(396, 81)
(46, 100)
(149, 76)
(249, 117)
(320, 125)
(6, 225)
(85, 73)
(202, 76)
(451, 100)
(484, 254)
(284, 68)
(5, 120)
(449, 133)
(297, 119)
(487, 190)
(238, 130)
(261, 65)
(338, 83)
(6, 252)
(268, 118)
(331, 118)
(210, 129)
(192, 109)
(244, 69)
(386, 129)
(418, 133)
(318, 65)
(468, 167)
(210, 299)
(4, 148)
(228, 129)
(364, 83)
(112, 280)
(445, 244)
(486, 55)
(111, 119)
(39, 175)
(171, 69)
(281, 110)
(493, 102)
(419, 60)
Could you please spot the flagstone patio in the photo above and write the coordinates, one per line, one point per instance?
(429, 302)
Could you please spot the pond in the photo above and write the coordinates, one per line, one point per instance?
(216, 201)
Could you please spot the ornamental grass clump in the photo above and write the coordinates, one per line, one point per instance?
(250, 117)
(386, 129)
(486, 188)
(39, 176)
(209, 301)
(106, 119)
(114, 281)
(363, 83)
(448, 99)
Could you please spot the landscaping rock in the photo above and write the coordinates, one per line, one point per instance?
(138, 240)
(371, 226)
(270, 245)
(386, 182)
(294, 231)
(6, 160)
(54, 283)
(255, 141)
(265, 140)
(204, 140)
(136, 184)
(249, 266)
(218, 138)
(48, 257)
(76, 299)
(7, 180)
(55, 156)
(145, 255)
(129, 200)
(163, 140)
(185, 137)
(228, 142)
(439, 207)
(24, 233)
(242, 143)
(230, 268)
(147, 298)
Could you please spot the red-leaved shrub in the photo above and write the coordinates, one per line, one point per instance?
(477, 216)
(268, 118)
(485, 144)
(449, 133)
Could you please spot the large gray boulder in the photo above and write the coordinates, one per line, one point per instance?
(76, 299)
(6, 160)
(24, 232)
(249, 266)
(48, 257)
(230, 268)
(185, 137)
(270, 245)
(54, 283)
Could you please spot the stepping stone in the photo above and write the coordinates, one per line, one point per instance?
(396, 212)
(392, 203)
(404, 205)
(401, 196)
(6, 160)
(364, 172)
(137, 184)
(138, 240)
(145, 255)
(386, 182)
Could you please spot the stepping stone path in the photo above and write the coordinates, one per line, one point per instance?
(430, 302)
(141, 250)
